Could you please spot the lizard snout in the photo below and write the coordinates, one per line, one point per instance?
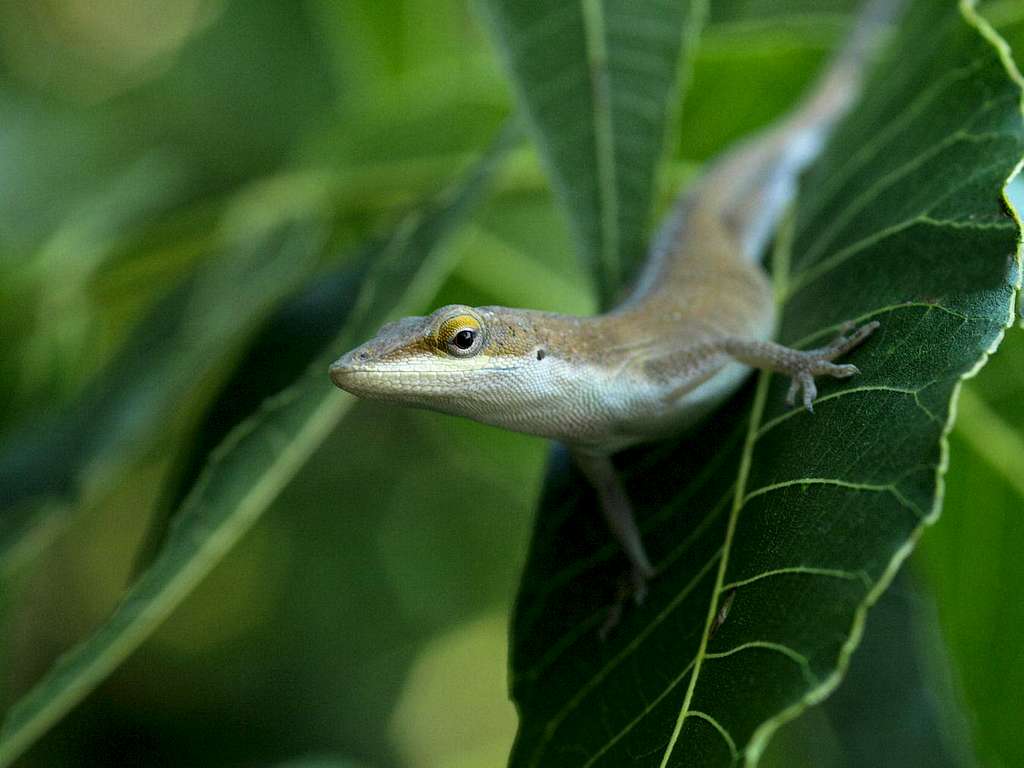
(344, 367)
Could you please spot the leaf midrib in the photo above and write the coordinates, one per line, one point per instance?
(739, 497)
(781, 259)
(604, 147)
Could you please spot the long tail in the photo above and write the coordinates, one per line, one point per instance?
(749, 187)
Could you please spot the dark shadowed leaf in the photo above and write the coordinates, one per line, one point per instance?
(775, 530)
(597, 80)
(319, 762)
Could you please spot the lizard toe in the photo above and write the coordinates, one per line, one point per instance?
(844, 371)
(810, 390)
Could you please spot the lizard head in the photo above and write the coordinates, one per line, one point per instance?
(467, 361)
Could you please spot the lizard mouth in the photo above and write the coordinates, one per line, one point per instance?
(353, 378)
(339, 374)
(345, 374)
(343, 369)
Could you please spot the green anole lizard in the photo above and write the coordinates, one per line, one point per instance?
(700, 316)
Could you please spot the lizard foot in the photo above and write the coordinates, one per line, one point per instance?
(636, 589)
(818, 362)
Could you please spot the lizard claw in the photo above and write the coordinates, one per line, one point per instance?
(794, 388)
(611, 621)
(637, 588)
(844, 371)
(810, 390)
(802, 379)
(842, 343)
(640, 577)
(818, 362)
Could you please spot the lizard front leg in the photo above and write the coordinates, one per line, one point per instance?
(801, 365)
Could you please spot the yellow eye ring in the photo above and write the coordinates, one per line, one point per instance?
(460, 335)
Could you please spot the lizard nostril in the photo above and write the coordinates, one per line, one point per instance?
(363, 355)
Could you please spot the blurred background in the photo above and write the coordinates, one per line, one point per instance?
(190, 190)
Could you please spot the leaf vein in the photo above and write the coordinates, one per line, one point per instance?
(808, 570)
(844, 254)
(790, 653)
(721, 730)
(643, 713)
(784, 417)
(665, 512)
(552, 725)
(870, 149)
(832, 330)
(604, 135)
(558, 647)
(746, 458)
(887, 180)
(833, 481)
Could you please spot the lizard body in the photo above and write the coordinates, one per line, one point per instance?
(700, 316)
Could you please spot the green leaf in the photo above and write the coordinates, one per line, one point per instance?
(775, 530)
(972, 560)
(251, 466)
(597, 80)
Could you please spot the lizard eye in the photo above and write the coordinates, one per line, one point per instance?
(464, 339)
(461, 336)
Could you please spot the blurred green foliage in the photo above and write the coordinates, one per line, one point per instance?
(193, 186)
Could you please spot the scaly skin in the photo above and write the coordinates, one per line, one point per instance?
(701, 315)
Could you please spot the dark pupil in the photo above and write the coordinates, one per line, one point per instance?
(464, 339)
